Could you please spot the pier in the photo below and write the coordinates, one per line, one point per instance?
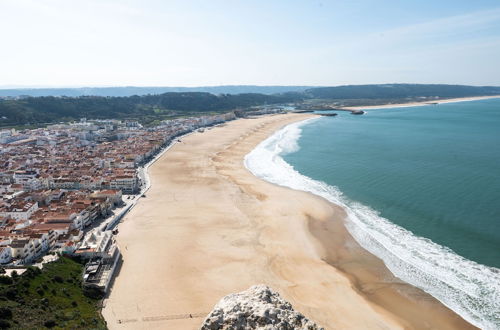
(328, 108)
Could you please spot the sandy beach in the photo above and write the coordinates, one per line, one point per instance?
(423, 103)
(208, 227)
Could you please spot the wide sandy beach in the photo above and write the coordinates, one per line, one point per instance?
(427, 102)
(208, 228)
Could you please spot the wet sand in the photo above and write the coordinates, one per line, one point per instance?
(208, 228)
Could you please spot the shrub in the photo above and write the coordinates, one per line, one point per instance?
(10, 293)
(4, 324)
(57, 279)
(5, 280)
(5, 313)
(93, 293)
(65, 291)
(31, 271)
(50, 323)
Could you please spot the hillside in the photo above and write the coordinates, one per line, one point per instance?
(399, 91)
(49, 298)
(151, 108)
(33, 110)
(129, 91)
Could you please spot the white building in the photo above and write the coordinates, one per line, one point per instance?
(19, 211)
(5, 254)
(124, 183)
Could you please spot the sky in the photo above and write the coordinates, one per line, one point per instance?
(69, 43)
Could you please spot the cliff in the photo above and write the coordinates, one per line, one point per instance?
(256, 308)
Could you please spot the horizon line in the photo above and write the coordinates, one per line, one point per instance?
(7, 87)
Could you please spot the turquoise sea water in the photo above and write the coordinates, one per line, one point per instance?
(434, 170)
(421, 188)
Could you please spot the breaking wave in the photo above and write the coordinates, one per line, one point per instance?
(470, 289)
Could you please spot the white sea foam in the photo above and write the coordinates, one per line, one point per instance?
(470, 289)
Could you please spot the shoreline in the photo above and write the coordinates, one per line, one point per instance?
(422, 103)
(204, 202)
(368, 272)
(374, 281)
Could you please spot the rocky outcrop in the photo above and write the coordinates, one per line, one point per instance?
(256, 308)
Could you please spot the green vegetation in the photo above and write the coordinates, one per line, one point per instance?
(399, 91)
(150, 109)
(129, 91)
(48, 298)
(146, 108)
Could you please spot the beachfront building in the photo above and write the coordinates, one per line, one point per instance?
(100, 248)
(114, 195)
(126, 183)
(56, 182)
(99, 271)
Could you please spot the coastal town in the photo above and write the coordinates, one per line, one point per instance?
(250, 165)
(63, 188)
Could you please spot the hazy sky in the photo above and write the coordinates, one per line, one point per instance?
(269, 42)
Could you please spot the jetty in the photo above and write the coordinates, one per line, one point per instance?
(302, 111)
(354, 112)
(326, 107)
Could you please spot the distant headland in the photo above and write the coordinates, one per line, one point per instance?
(149, 105)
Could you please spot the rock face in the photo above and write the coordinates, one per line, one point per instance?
(256, 308)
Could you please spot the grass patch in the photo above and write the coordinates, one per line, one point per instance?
(51, 298)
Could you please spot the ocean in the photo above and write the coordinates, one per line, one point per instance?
(420, 185)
